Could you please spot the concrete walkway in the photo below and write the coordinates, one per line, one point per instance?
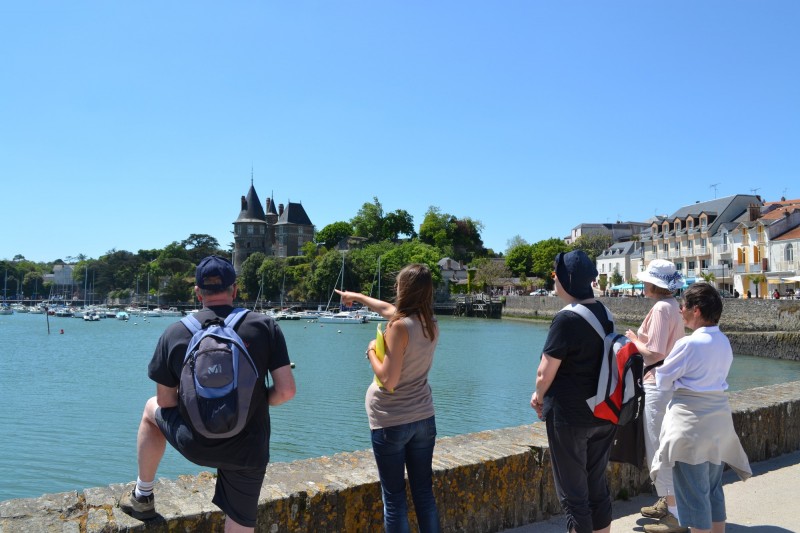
(765, 503)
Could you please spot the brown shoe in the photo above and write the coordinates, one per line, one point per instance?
(657, 510)
(143, 508)
(668, 524)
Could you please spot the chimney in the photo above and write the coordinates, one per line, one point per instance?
(244, 204)
(280, 209)
(269, 201)
(755, 212)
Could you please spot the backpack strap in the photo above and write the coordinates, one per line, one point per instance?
(586, 314)
(235, 317)
(192, 324)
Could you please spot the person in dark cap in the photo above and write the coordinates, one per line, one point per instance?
(568, 372)
(240, 460)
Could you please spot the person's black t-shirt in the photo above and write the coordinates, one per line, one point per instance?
(267, 347)
(575, 342)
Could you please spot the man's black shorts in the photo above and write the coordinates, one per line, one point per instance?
(237, 488)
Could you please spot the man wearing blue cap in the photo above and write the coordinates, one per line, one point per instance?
(240, 460)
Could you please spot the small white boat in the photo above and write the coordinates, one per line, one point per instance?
(172, 311)
(19, 308)
(373, 316)
(343, 317)
(122, 315)
(5, 310)
(151, 313)
(36, 310)
(91, 316)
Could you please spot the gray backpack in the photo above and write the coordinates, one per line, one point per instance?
(218, 377)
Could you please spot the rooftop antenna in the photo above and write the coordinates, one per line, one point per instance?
(714, 186)
(251, 173)
(755, 190)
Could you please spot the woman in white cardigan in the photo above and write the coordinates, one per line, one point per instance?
(697, 435)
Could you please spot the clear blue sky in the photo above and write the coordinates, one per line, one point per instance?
(129, 125)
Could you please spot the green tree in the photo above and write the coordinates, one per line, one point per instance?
(488, 272)
(200, 245)
(368, 222)
(396, 223)
(177, 289)
(543, 253)
(593, 244)
(436, 230)
(757, 280)
(272, 272)
(708, 277)
(519, 259)
(616, 277)
(249, 278)
(330, 235)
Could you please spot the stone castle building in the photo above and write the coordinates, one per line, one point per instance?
(277, 231)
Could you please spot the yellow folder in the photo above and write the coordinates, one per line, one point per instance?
(380, 351)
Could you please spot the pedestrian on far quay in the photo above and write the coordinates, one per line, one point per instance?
(654, 339)
(241, 459)
(400, 409)
(698, 437)
(567, 375)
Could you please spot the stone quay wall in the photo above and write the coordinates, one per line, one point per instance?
(483, 482)
(765, 328)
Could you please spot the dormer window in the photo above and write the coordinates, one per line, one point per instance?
(677, 225)
(690, 224)
(704, 222)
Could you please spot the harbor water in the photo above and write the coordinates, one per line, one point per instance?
(72, 401)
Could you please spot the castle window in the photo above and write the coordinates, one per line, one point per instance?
(249, 229)
(261, 230)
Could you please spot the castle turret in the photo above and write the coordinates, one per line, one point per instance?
(249, 230)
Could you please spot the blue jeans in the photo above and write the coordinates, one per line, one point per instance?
(397, 448)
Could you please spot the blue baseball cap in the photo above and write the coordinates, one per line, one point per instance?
(215, 273)
(576, 272)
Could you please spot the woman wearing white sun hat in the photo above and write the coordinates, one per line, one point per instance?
(659, 331)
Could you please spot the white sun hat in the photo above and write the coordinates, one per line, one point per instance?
(662, 273)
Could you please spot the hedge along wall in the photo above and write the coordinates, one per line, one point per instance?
(485, 482)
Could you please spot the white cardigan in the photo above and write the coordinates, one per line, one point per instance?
(698, 427)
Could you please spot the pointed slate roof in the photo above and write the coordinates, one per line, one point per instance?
(251, 207)
(294, 214)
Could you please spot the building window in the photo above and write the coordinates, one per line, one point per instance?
(249, 229)
(704, 263)
(691, 266)
(703, 223)
(261, 230)
(788, 253)
(690, 224)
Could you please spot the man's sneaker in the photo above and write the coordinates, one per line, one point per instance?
(657, 510)
(668, 524)
(143, 508)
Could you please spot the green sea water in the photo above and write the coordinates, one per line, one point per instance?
(72, 401)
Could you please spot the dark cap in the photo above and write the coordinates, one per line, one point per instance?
(576, 272)
(215, 273)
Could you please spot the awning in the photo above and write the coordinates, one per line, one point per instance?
(792, 278)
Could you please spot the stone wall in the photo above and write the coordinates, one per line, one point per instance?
(487, 481)
(766, 328)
